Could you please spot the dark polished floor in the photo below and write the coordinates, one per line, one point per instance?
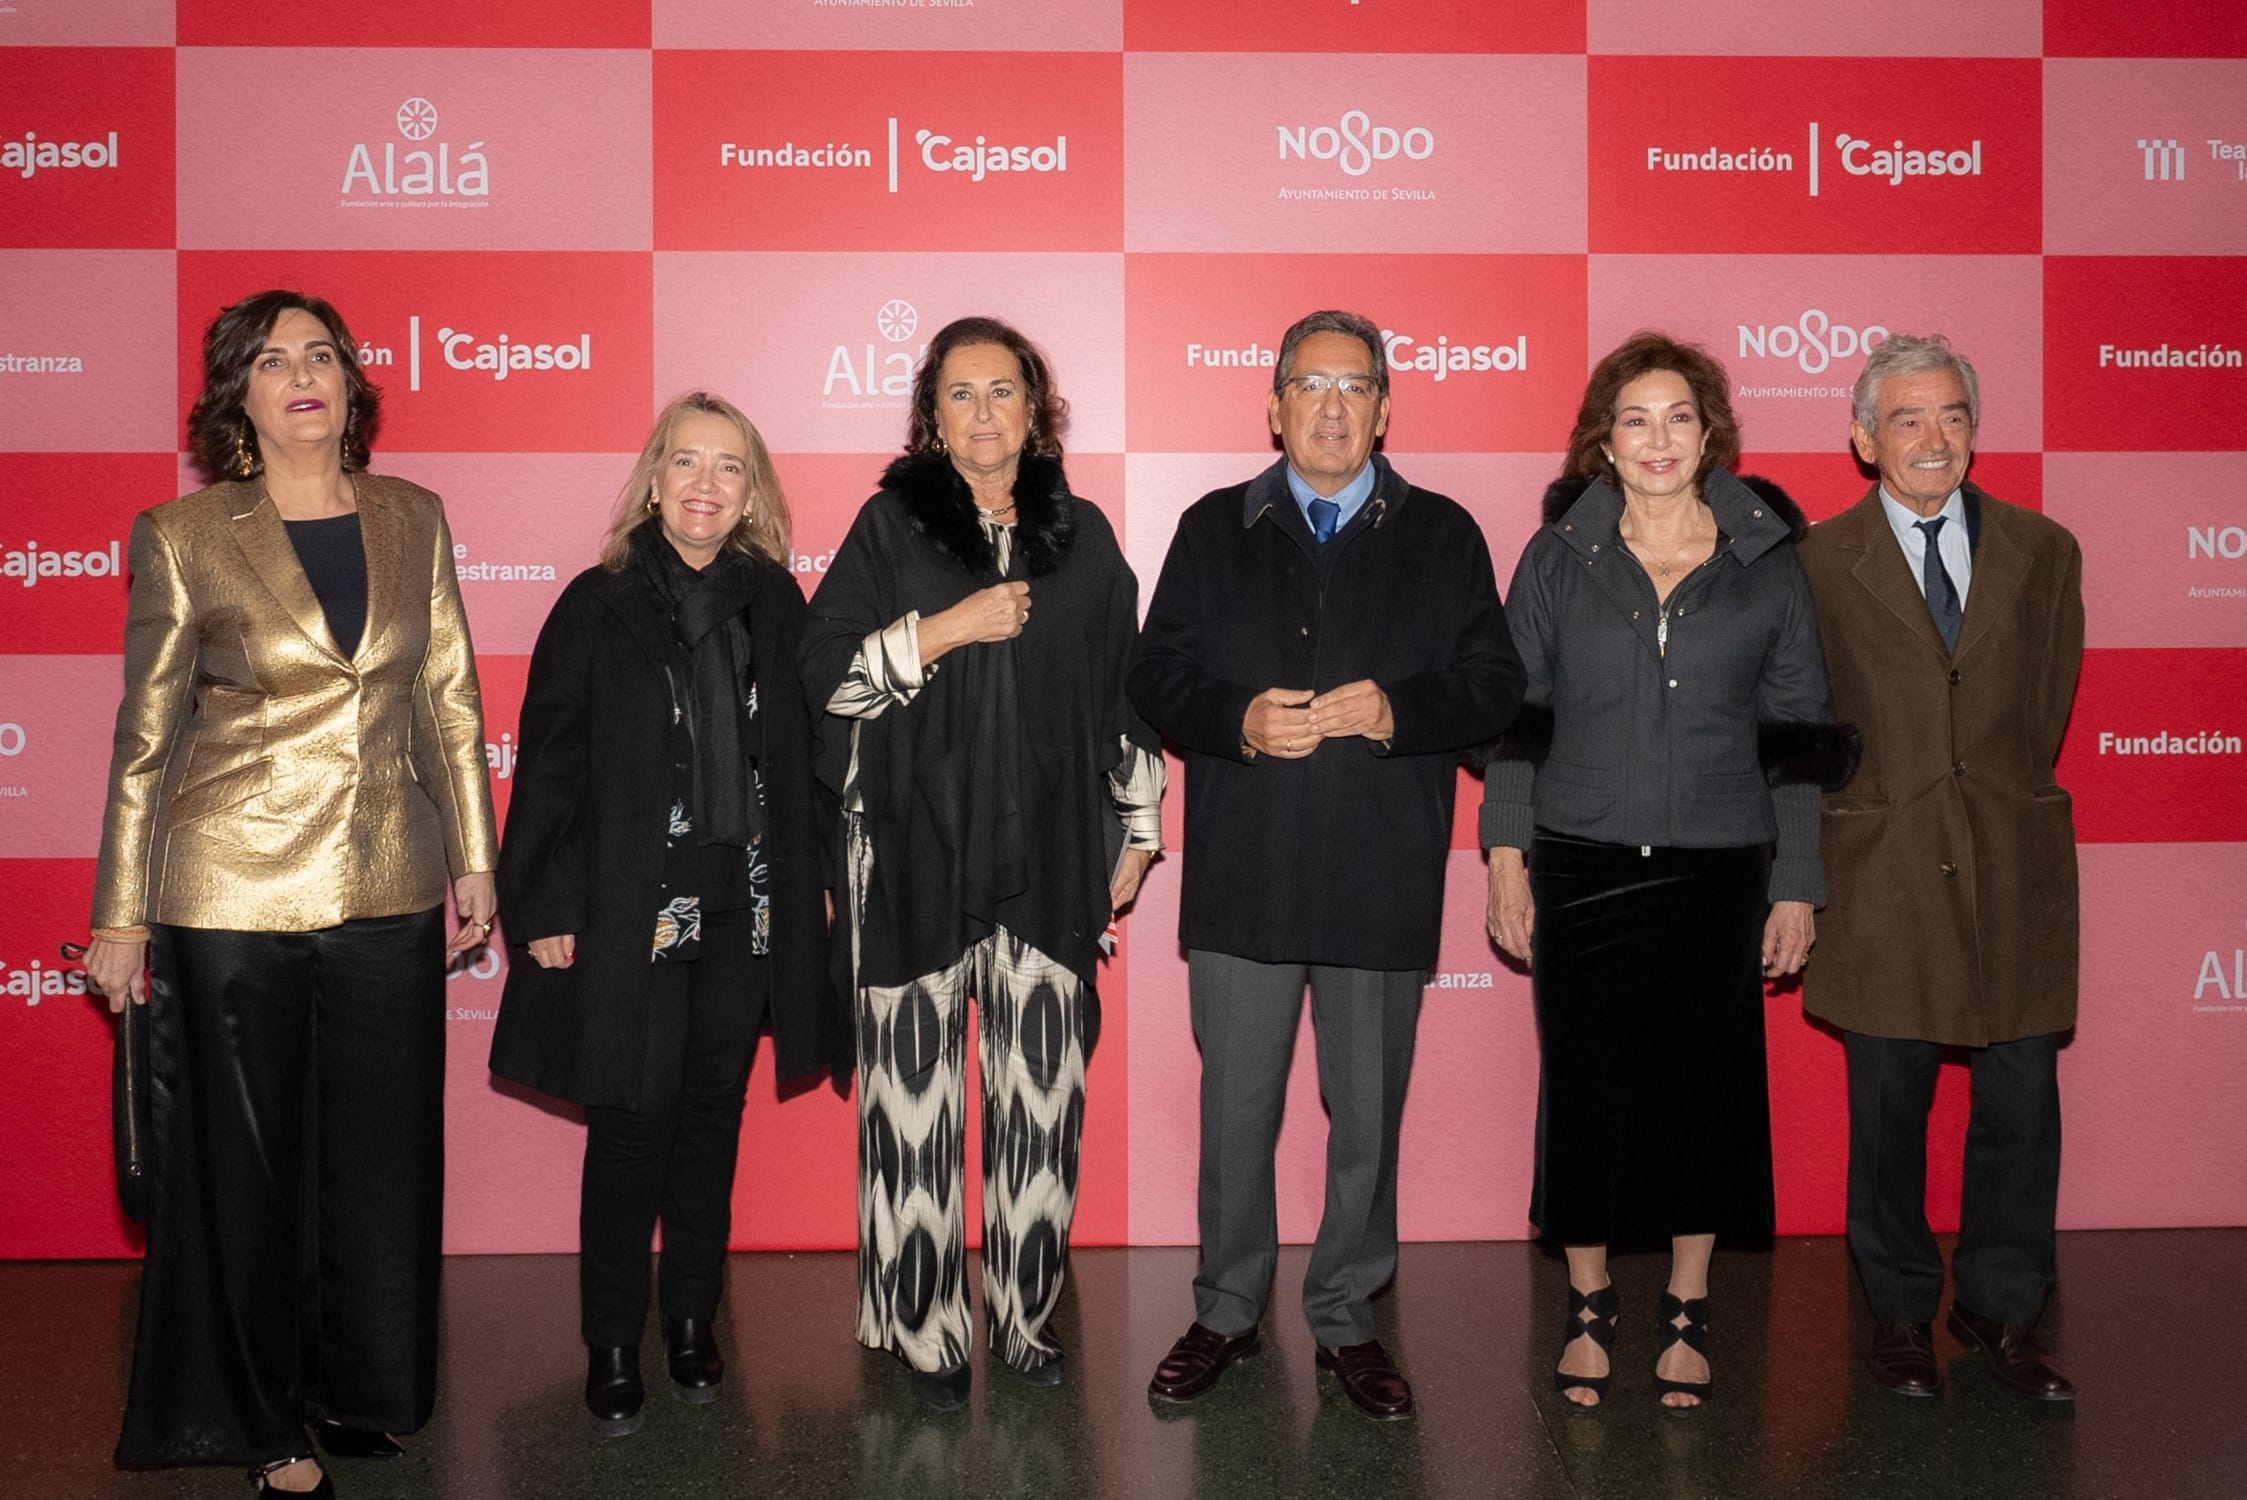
(2152, 1325)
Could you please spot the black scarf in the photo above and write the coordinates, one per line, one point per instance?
(941, 509)
(711, 652)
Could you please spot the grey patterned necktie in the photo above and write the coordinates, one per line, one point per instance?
(1942, 594)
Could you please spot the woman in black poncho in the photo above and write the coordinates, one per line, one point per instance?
(1001, 801)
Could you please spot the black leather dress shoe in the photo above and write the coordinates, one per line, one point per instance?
(1902, 1359)
(691, 1349)
(1370, 1379)
(2015, 1357)
(339, 1441)
(1196, 1360)
(942, 1390)
(613, 1393)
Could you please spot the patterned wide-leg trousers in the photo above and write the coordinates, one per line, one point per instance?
(912, 1087)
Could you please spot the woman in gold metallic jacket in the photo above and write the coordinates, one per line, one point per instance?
(298, 767)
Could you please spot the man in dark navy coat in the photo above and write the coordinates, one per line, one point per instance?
(1323, 640)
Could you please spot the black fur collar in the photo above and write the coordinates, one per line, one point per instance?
(1566, 491)
(940, 507)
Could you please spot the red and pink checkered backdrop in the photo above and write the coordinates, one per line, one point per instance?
(542, 221)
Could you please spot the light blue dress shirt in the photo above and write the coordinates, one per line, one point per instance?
(1958, 557)
(1348, 500)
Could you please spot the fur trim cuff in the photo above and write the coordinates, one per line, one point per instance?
(1529, 737)
(1820, 755)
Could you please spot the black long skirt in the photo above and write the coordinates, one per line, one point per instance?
(1653, 1105)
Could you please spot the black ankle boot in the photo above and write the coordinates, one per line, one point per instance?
(691, 1347)
(613, 1393)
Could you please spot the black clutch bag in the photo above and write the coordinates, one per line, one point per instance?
(128, 1111)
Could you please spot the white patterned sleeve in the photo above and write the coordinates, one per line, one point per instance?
(1137, 785)
(886, 671)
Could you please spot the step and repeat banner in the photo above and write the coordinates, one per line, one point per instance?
(543, 221)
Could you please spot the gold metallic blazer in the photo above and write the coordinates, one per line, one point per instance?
(261, 781)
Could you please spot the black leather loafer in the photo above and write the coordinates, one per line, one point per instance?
(1195, 1362)
(1370, 1379)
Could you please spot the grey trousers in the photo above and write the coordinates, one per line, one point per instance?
(1245, 1016)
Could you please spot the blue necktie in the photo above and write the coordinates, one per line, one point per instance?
(1942, 594)
(1324, 513)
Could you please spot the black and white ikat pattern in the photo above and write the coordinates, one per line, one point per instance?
(912, 1084)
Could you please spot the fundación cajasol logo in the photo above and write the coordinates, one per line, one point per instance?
(1895, 163)
(427, 174)
(1405, 353)
(977, 158)
(34, 982)
(496, 357)
(31, 155)
(31, 563)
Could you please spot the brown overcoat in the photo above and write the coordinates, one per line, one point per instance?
(1950, 860)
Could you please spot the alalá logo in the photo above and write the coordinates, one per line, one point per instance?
(2223, 974)
(418, 173)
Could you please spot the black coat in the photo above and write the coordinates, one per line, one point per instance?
(1337, 858)
(985, 795)
(583, 849)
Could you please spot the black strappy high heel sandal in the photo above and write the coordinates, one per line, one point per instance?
(324, 1490)
(1604, 1308)
(1694, 1334)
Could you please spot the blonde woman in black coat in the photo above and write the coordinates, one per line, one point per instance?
(661, 859)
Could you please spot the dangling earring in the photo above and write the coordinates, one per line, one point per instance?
(350, 436)
(245, 461)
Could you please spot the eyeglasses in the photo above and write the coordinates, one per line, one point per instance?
(1315, 387)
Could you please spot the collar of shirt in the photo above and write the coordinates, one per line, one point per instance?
(1349, 500)
(1951, 542)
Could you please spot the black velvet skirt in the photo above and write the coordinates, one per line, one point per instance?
(1653, 1106)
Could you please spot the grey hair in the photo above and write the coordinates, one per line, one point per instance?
(1908, 354)
(1352, 324)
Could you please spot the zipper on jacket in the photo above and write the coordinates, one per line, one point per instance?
(1662, 616)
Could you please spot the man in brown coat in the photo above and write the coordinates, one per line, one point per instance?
(1953, 628)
